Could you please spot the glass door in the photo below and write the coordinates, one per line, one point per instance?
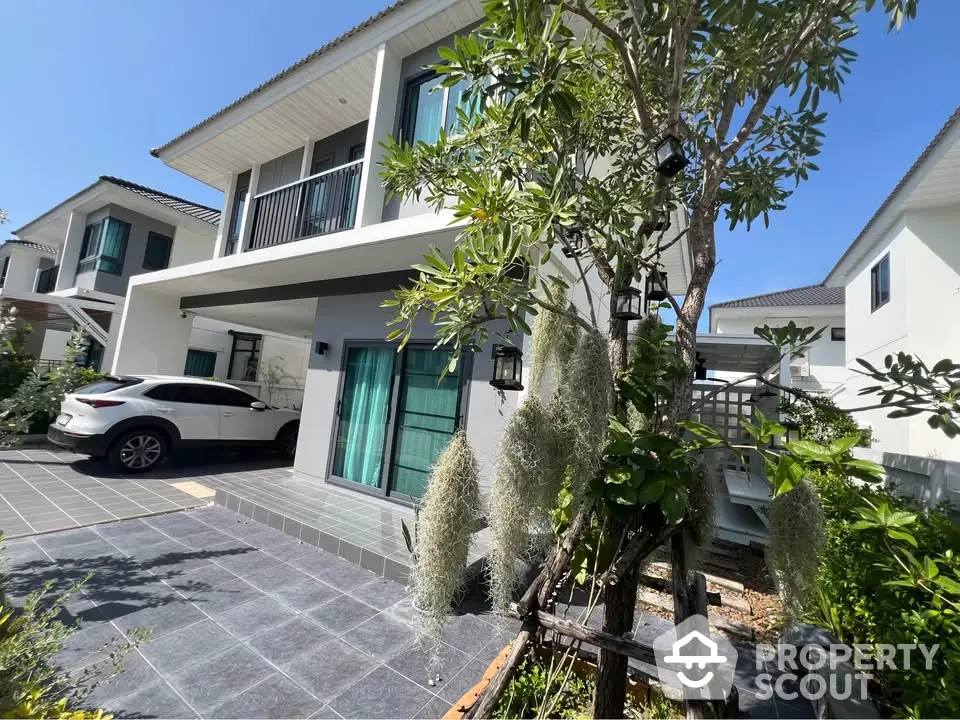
(428, 409)
(364, 412)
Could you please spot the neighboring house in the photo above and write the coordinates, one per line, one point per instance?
(72, 266)
(821, 369)
(309, 246)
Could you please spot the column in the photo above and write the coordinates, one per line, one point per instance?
(69, 255)
(307, 160)
(154, 334)
(383, 113)
(246, 223)
(223, 229)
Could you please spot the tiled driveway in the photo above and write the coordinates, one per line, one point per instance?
(247, 622)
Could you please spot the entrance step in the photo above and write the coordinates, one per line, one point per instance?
(357, 527)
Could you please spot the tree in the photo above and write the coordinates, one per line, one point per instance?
(575, 97)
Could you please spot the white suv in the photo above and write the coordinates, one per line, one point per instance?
(136, 421)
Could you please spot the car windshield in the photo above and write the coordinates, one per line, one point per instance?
(108, 384)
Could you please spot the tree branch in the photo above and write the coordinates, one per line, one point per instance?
(546, 305)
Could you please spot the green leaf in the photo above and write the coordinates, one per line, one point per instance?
(902, 535)
(650, 492)
(842, 445)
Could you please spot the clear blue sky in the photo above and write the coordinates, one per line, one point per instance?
(87, 88)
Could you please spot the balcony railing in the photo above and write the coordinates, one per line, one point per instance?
(318, 205)
(47, 279)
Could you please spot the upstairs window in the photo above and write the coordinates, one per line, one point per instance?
(880, 283)
(157, 254)
(3, 273)
(838, 334)
(104, 246)
(427, 107)
(236, 210)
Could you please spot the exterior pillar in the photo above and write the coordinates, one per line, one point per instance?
(307, 160)
(153, 336)
(246, 224)
(223, 229)
(70, 253)
(113, 335)
(383, 113)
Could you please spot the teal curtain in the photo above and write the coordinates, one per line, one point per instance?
(428, 107)
(114, 246)
(200, 363)
(361, 432)
(426, 418)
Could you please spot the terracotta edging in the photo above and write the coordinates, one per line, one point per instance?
(470, 697)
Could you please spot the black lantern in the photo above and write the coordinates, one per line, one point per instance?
(793, 430)
(655, 286)
(575, 245)
(507, 367)
(628, 304)
(670, 157)
(663, 224)
(700, 368)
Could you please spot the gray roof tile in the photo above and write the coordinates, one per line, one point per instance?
(795, 297)
(201, 212)
(36, 246)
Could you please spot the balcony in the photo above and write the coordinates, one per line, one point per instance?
(47, 280)
(318, 205)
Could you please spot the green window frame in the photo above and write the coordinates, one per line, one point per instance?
(157, 254)
(104, 246)
(200, 363)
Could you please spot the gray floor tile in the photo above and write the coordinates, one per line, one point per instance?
(380, 593)
(161, 620)
(453, 690)
(275, 697)
(157, 700)
(87, 645)
(275, 577)
(203, 540)
(201, 579)
(381, 636)
(348, 578)
(215, 680)
(381, 694)
(255, 616)
(342, 614)
(467, 633)
(329, 673)
(324, 713)
(186, 646)
(320, 563)
(433, 710)
(225, 596)
(136, 674)
(245, 561)
(306, 594)
(423, 663)
(292, 639)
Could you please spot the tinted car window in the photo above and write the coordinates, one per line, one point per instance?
(232, 398)
(183, 393)
(108, 384)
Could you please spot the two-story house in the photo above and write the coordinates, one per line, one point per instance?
(310, 246)
(72, 266)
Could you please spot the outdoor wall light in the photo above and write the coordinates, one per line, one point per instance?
(507, 367)
(320, 347)
(700, 368)
(656, 282)
(628, 304)
(670, 157)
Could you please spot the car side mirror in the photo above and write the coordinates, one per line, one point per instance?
(257, 405)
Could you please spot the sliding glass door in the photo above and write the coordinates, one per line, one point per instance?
(395, 417)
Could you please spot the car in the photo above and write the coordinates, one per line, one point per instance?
(137, 421)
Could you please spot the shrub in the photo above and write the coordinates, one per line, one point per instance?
(15, 363)
(871, 593)
(823, 422)
(538, 690)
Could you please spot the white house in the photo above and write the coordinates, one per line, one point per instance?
(72, 266)
(310, 246)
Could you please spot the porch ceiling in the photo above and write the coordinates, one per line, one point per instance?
(736, 353)
(289, 317)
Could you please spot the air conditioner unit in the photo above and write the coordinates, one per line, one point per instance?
(799, 368)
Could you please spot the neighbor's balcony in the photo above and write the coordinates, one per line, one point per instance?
(47, 280)
(318, 205)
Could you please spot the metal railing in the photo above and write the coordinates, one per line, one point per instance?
(47, 279)
(318, 205)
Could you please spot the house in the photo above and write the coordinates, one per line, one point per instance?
(309, 246)
(895, 289)
(821, 369)
(72, 266)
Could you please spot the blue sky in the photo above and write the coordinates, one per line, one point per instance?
(88, 88)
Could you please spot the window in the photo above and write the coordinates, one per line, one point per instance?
(200, 363)
(3, 273)
(104, 246)
(838, 334)
(356, 153)
(108, 385)
(183, 393)
(427, 107)
(157, 254)
(236, 210)
(244, 357)
(232, 398)
(880, 283)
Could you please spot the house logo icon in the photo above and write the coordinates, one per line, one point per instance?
(689, 659)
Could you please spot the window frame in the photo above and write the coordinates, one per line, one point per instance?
(3, 272)
(151, 236)
(878, 273)
(408, 109)
(838, 333)
(92, 256)
(201, 351)
(255, 352)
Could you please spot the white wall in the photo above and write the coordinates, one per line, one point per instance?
(190, 247)
(360, 317)
(54, 345)
(22, 270)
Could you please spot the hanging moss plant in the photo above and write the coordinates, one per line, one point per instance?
(702, 508)
(446, 521)
(797, 529)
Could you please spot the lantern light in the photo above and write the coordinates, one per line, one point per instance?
(700, 368)
(628, 304)
(655, 285)
(793, 430)
(670, 157)
(507, 367)
(575, 245)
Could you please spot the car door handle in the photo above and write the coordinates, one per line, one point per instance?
(228, 414)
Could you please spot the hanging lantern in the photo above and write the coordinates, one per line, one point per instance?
(793, 430)
(507, 367)
(576, 244)
(656, 282)
(670, 157)
(663, 224)
(628, 304)
(700, 369)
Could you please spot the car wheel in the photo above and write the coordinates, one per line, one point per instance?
(137, 451)
(287, 440)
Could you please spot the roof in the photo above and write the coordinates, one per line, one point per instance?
(201, 212)
(808, 295)
(32, 245)
(396, 5)
(937, 139)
